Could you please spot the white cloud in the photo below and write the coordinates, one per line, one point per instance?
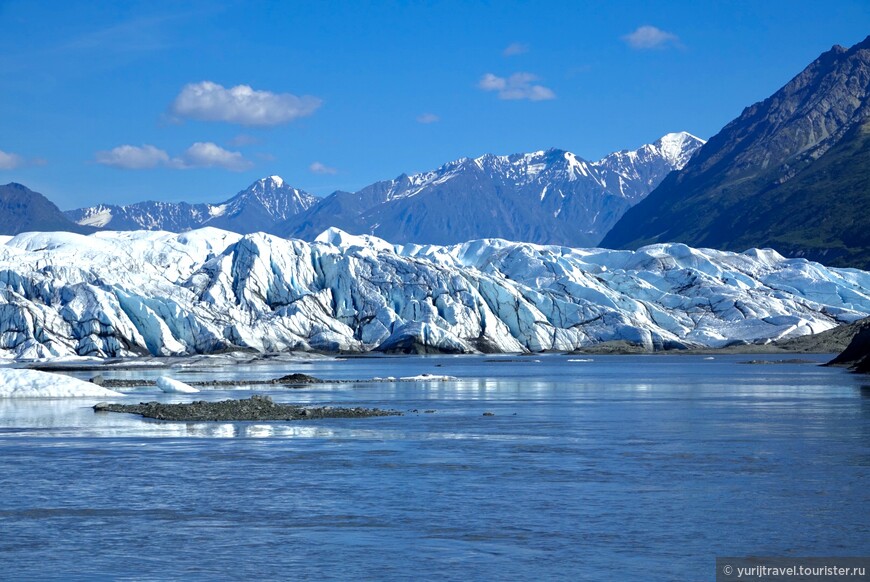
(10, 161)
(210, 155)
(130, 157)
(241, 104)
(199, 155)
(428, 118)
(517, 86)
(515, 48)
(319, 168)
(650, 37)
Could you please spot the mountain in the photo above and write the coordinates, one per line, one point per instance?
(857, 353)
(791, 172)
(121, 294)
(23, 210)
(550, 197)
(257, 208)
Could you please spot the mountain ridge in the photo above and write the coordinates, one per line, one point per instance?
(256, 208)
(788, 172)
(547, 196)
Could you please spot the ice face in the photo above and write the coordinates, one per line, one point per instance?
(138, 293)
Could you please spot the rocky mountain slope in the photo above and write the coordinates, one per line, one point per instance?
(257, 208)
(130, 293)
(857, 354)
(550, 197)
(791, 172)
(22, 210)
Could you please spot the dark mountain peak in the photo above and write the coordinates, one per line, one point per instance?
(23, 210)
(742, 188)
(863, 45)
(16, 187)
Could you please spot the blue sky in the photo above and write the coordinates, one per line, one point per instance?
(126, 101)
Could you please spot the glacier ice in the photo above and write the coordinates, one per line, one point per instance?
(175, 386)
(16, 383)
(208, 290)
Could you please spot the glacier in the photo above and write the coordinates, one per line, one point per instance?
(137, 293)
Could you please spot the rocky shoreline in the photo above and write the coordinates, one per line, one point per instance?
(290, 381)
(255, 408)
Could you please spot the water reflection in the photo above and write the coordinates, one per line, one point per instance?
(541, 393)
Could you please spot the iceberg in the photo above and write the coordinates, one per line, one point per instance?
(16, 383)
(169, 385)
(123, 294)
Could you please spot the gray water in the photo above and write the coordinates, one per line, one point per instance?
(614, 468)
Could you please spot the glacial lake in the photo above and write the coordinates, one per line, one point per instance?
(590, 468)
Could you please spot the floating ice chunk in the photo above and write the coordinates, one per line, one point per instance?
(427, 377)
(170, 385)
(34, 384)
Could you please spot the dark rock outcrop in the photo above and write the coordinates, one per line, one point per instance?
(857, 354)
(254, 408)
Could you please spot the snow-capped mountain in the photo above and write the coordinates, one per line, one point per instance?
(551, 197)
(257, 208)
(126, 293)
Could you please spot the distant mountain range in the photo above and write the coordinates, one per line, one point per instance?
(791, 172)
(546, 197)
(257, 208)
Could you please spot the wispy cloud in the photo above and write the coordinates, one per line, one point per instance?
(129, 157)
(10, 161)
(199, 155)
(208, 101)
(428, 118)
(514, 49)
(243, 139)
(650, 37)
(517, 86)
(141, 34)
(319, 168)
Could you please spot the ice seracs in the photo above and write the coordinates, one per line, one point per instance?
(208, 290)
